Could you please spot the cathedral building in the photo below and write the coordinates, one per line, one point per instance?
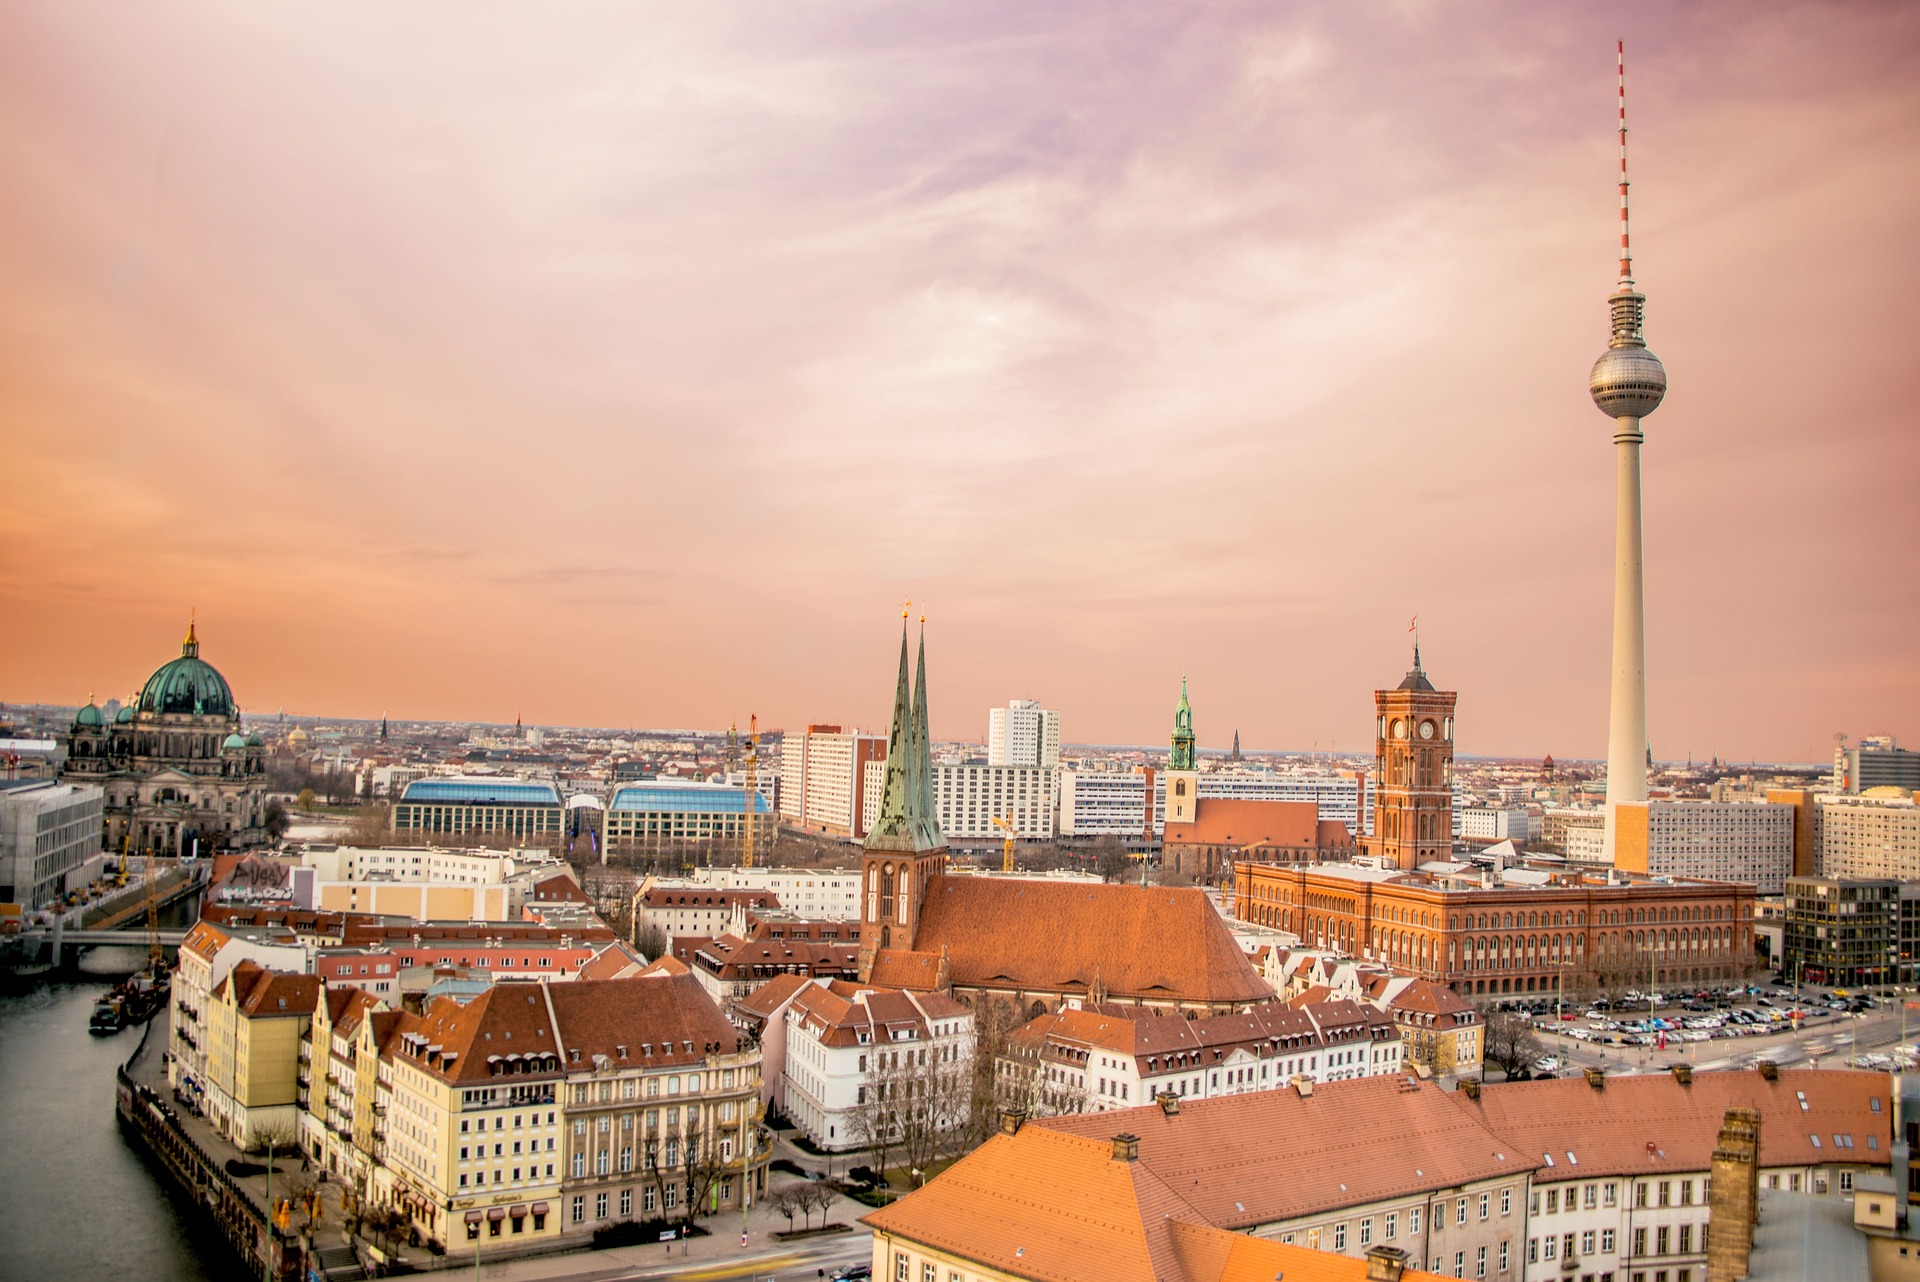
(1033, 944)
(179, 775)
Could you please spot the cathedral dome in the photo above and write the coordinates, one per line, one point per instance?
(233, 741)
(189, 684)
(89, 716)
(124, 716)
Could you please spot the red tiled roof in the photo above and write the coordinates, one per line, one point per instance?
(765, 1001)
(1280, 1155)
(263, 994)
(1220, 821)
(898, 968)
(1163, 944)
(559, 888)
(506, 1025)
(1046, 1206)
(652, 1020)
(1651, 1122)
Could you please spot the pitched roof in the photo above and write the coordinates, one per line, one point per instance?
(1252, 1159)
(1222, 821)
(505, 1025)
(204, 940)
(559, 888)
(836, 1012)
(1165, 943)
(1047, 1206)
(1216, 1255)
(899, 968)
(652, 1021)
(767, 1000)
(1652, 1122)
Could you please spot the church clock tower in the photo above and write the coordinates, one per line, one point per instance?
(1413, 771)
(1183, 779)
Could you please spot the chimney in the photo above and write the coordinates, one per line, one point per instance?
(1126, 1148)
(1733, 1199)
(1011, 1120)
(1385, 1264)
(1769, 1070)
(1683, 1074)
(1304, 1085)
(1470, 1087)
(1169, 1103)
(1597, 1078)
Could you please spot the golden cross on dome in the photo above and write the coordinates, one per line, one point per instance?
(906, 608)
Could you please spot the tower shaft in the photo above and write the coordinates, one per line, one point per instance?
(1627, 719)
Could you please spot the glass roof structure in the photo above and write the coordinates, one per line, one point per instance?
(499, 792)
(686, 798)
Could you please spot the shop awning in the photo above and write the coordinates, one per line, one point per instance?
(473, 1217)
(518, 1210)
(496, 1213)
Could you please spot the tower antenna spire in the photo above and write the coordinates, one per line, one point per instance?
(1626, 251)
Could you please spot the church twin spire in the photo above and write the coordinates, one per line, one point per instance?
(908, 819)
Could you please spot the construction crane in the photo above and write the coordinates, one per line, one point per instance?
(1005, 824)
(752, 791)
(154, 955)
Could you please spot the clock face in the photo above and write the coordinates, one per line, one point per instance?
(1399, 728)
(1426, 729)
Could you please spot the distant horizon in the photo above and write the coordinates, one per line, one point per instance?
(1199, 749)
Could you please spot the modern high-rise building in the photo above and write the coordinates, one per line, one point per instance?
(1870, 837)
(1023, 734)
(1749, 841)
(1413, 771)
(48, 832)
(1627, 383)
(1875, 762)
(823, 778)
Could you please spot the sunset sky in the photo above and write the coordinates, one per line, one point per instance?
(627, 364)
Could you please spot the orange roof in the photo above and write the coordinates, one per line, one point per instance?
(898, 968)
(616, 961)
(1046, 1206)
(1057, 1208)
(655, 1020)
(1165, 943)
(1651, 1122)
(1220, 821)
(767, 1000)
(1276, 1155)
(1215, 1255)
(507, 1024)
(262, 994)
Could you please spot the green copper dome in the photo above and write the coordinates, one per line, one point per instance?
(255, 741)
(233, 741)
(123, 716)
(189, 684)
(90, 715)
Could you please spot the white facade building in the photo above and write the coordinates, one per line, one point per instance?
(968, 797)
(823, 776)
(48, 832)
(1023, 734)
(846, 1042)
(1101, 802)
(1494, 823)
(1712, 841)
(1872, 836)
(811, 894)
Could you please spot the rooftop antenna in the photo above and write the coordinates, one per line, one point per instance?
(1626, 253)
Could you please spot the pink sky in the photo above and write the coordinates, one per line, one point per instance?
(627, 364)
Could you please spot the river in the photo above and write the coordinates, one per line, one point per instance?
(82, 1204)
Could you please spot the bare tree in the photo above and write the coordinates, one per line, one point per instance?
(785, 1201)
(819, 1196)
(1510, 1042)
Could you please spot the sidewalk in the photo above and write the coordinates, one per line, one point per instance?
(720, 1246)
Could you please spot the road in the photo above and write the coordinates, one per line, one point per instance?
(812, 1258)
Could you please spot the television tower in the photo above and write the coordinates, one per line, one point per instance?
(1628, 383)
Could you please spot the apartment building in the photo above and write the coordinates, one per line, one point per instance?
(48, 832)
(1740, 841)
(859, 1059)
(816, 894)
(969, 798)
(1023, 734)
(1877, 761)
(1115, 803)
(823, 774)
(684, 909)
(661, 1103)
(206, 956)
(1876, 835)
(255, 1021)
(1078, 1060)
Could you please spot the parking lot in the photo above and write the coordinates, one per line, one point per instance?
(1728, 1028)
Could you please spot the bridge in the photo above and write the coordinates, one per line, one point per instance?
(29, 943)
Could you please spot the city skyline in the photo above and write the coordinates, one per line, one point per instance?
(640, 384)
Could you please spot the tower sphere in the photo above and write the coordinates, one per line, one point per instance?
(1628, 382)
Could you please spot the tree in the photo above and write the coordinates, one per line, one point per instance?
(1111, 861)
(786, 1201)
(875, 1118)
(819, 1196)
(650, 939)
(305, 799)
(1510, 1042)
(276, 820)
